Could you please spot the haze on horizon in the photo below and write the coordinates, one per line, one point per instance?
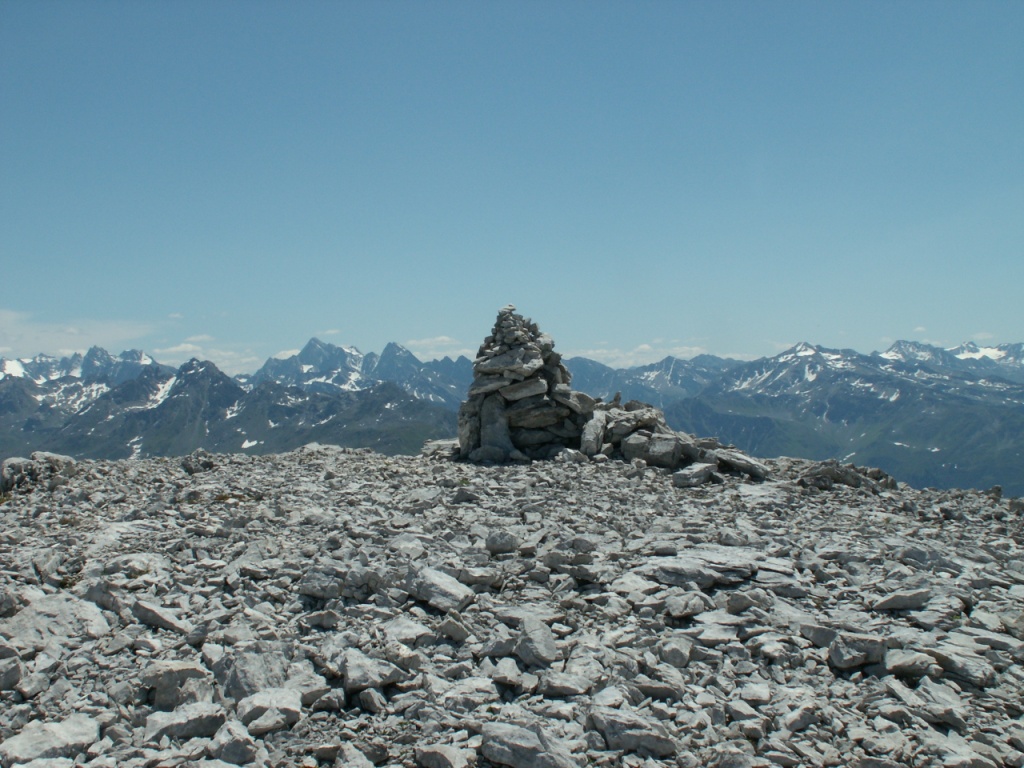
(226, 181)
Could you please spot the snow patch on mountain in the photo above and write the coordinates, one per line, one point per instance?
(971, 351)
(162, 393)
(12, 368)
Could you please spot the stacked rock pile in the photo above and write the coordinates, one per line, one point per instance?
(342, 609)
(520, 407)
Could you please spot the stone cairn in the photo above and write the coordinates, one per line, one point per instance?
(520, 407)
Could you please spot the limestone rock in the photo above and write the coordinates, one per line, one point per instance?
(438, 589)
(233, 744)
(361, 672)
(694, 475)
(275, 705)
(356, 609)
(629, 731)
(165, 680)
(47, 623)
(518, 747)
(441, 756)
(159, 617)
(49, 740)
(186, 722)
(536, 646)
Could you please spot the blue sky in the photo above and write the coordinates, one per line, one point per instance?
(227, 179)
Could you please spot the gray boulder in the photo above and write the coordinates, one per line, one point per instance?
(438, 589)
(186, 722)
(630, 732)
(42, 741)
(52, 622)
(233, 744)
(519, 747)
(536, 645)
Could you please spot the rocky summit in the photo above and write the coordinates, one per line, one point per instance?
(339, 607)
(639, 598)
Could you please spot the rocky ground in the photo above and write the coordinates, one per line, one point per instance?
(339, 607)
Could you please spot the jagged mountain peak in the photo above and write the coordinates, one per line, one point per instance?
(202, 369)
(135, 356)
(967, 348)
(42, 367)
(394, 349)
(193, 366)
(917, 352)
(1007, 354)
(98, 355)
(804, 351)
(324, 355)
(395, 363)
(712, 361)
(903, 348)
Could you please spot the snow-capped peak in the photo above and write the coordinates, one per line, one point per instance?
(971, 351)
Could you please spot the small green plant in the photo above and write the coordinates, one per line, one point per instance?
(229, 496)
(68, 581)
(5, 497)
(68, 520)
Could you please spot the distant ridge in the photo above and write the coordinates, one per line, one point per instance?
(928, 415)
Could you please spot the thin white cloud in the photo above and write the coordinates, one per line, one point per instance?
(436, 347)
(434, 341)
(230, 360)
(982, 336)
(284, 354)
(920, 329)
(331, 332)
(642, 354)
(23, 335)
(175, 316)
(233, 362)
(185, 348)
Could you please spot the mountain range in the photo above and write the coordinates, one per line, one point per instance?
(928, 415)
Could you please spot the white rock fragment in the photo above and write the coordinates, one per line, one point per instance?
(361, 672)
(159, 617)
(518, 747)
(438, 589)
(441, 756)
(904, 600)
(233, 744)
(49, 740)
(629, 731)
(284, 705)
(186, 722)
(536, 644)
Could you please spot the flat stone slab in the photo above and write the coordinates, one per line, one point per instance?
(47, 741)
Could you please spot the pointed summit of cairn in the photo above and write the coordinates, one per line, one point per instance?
(520, 407)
